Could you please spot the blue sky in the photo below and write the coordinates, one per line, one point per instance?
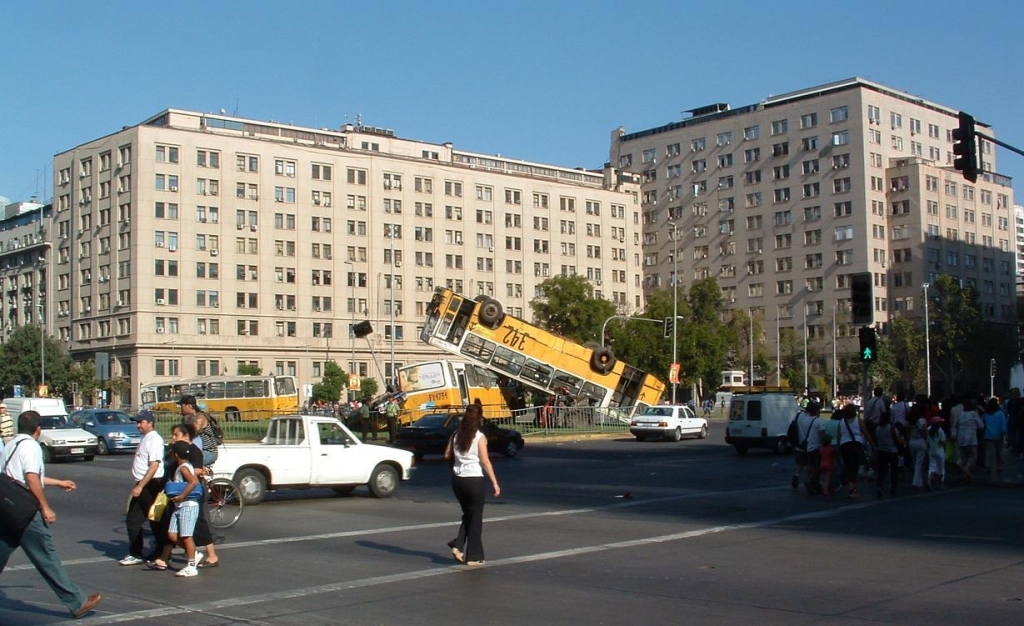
(541, 81)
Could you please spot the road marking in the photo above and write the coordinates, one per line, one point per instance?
(220, 605)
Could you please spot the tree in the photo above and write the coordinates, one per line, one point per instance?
(332, 385)
(249, 369)
(570, 309)
(739, 327)
(955, 317)
(906, 344)
(703, 339)
(21, 361)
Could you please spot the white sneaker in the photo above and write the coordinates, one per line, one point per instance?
(131, 560)
(187, 572)
(199, 557)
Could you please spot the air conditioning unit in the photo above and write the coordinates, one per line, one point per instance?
(202, 220)
(241, 226)
(173, 187)
(214, 252)
(280, 307)
(173, 248)
(291, 308)
(159, 301)
(252, 227)
(214, 192)
(327, 202)
(88, 309)
(160, 329)
(159, 244)
(103, 279)
(318, 309)
(120, 303)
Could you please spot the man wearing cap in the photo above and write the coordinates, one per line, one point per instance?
(6, 424)
(147, 470)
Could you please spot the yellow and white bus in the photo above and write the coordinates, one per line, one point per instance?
(230, 398)
(480, 332)
(441, 385)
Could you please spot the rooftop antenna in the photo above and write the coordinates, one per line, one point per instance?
(235, 114)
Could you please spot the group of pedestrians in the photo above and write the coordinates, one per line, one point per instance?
(896, 437)
(186, 522)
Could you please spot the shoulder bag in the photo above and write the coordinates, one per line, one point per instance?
(173, 489)
(17, 504)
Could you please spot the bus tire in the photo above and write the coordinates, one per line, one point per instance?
(602, 360)
(491, 313)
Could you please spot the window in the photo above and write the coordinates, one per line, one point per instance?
(780, 149)
(780, 127)
(724, 139)
(841, 138)
(840, 114)
(751, 133)
(809, 120)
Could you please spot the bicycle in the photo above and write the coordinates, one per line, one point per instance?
(225, 502)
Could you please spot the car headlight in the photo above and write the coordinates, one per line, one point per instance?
(117, 435)
(91, 441)
(58, 442)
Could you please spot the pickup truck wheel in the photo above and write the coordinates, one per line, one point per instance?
(253, 486)
(383, 481)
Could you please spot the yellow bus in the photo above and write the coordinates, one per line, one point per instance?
(440, 385)
(480, 332)
(231, 398)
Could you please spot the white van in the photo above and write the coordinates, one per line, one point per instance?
(760, 420)
(59, 439)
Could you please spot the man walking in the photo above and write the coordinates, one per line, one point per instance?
(23, 461)
(6, 424)
(392, 416)
(147, 470)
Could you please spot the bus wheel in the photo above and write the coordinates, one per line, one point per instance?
(491, 313)
(602, 360)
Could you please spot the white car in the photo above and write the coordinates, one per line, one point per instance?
(670, 422)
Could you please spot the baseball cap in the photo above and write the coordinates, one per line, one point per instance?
(188, 399)
(143, 416)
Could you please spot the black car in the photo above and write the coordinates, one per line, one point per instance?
(430, 434)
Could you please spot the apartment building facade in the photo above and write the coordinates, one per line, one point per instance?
(193, 242)
(25, 242)
(781, 201)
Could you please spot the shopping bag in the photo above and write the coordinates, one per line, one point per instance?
(156, 512)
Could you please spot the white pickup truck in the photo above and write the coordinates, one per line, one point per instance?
(302, 451)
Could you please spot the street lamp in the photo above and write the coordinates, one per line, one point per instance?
(42, 346)
(675, 302)
(927, 344)
(392, 309)
(351, 327)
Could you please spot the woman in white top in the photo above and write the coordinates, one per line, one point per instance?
(966, 434)
(468, 450)
(853, 438)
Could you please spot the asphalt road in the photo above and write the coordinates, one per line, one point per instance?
(602, 531)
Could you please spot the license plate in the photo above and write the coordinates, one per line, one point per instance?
(77, 450)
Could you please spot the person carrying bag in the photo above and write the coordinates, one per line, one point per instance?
(17, 504)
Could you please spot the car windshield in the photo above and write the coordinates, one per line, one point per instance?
(430, 421)
(111, 418)
(52, 422)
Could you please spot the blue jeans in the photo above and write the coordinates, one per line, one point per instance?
(38, 545)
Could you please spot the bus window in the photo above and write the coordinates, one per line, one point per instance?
(235, 389)
(565, 383)
(508, 361)
(215, 390)
(593, 394)
(256, 388)
(537, 372)
(197, 389)
(284, 386)
(478, 348)
(480, 377)
(163, 393)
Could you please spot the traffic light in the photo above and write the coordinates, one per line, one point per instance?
(868, 344)
(670, 326)
(992, 367)
(860, 298)
(965, 147)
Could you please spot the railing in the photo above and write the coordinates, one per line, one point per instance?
(542, 420)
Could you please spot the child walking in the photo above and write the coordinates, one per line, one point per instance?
(186, 512)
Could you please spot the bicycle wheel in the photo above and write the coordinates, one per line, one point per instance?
(225, 503)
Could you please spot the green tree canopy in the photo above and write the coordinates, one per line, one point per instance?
(21, 362)
(570, 309)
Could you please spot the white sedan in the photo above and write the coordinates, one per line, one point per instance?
(670, 422)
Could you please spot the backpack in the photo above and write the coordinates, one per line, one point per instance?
(218, 432)
(793, 432)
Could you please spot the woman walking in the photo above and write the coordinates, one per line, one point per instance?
(468, 450)
(967, 427)
(853, 439)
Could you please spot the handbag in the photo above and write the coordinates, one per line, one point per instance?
(17, 504)
(156, 512)
(862, 450)
(175, 488)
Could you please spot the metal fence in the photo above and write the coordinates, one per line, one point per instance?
(541, 420)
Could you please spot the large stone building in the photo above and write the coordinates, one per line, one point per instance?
(781, 201)
(192, 242)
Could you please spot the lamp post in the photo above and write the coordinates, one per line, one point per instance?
(42, 346)
(675, 303)
(351, 326)
(392, 309)
(927, 344)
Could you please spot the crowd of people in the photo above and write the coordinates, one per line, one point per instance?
(904, 440)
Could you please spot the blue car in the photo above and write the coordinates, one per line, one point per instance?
(114, 430)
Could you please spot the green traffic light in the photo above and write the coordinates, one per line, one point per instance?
(867, 354)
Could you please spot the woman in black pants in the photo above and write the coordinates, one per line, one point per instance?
(470, 464)
(888, 443)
